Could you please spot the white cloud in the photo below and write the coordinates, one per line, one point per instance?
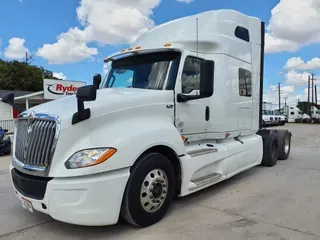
(297, 63)
(293, 23)
(275, 45)
(296, 78)
(114, 22)
(60, 75)
(71, 47)
(304, 97)
(185, 1)
(16, 49)
(287, 92)
(103, 21)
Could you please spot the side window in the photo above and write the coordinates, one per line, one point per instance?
(245, 83)
(292, 113)
(242, 33)
(190, 79)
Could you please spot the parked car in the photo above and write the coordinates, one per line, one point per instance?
(5, 142)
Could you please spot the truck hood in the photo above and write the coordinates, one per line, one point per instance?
(108, 100)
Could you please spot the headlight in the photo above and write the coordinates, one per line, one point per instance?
(89, 157)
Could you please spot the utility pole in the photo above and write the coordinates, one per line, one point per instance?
(308, 110)
(315, 92)
(285, 101)
(279, 87)
(312, 79)
(28, 59)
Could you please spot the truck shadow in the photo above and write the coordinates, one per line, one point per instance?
(122, 230)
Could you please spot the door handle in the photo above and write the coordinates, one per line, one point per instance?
(207, 113)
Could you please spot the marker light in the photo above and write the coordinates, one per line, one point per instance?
(89, 157)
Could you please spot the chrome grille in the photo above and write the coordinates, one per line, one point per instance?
(35, 141)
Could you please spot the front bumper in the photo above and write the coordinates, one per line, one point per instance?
(93, 200)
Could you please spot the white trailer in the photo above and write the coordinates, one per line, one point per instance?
(179, 111)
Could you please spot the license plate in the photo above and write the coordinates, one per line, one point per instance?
(26, 204)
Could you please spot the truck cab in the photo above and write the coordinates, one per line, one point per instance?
(180, 110)
(315, 113)
(294, 114)
(282, 120)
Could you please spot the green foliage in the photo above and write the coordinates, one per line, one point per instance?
(304, 106)
(15, 75)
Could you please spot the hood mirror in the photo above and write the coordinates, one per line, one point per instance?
(97, 80)
(8, 98)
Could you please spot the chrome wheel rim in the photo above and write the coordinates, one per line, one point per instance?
(154, 190)
(286, 145)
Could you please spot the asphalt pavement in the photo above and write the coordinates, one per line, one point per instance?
(277, 203)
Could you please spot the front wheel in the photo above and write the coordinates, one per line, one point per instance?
(149, 191)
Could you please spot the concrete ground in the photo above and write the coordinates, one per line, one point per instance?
(262, 203)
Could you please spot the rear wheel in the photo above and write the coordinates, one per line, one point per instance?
(149, 191)
(270, 150)
(284, 144)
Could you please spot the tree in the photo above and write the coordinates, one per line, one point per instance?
(304, 106)
(15, 75)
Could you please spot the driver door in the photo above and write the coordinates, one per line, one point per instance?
(192, 116)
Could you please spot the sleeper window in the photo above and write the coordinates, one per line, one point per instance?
(242, 33)
(245, 83)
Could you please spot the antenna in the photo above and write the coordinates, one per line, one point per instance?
(197, 37)
(87, 68)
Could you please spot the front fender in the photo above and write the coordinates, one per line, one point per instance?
(131, 137)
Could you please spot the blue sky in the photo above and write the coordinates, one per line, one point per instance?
(32, 23)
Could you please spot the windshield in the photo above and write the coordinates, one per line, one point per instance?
(148, 71)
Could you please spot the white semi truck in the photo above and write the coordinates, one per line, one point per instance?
(271, 117)
(179, 111)
(294, 114)
(315, 113)
(282, 120)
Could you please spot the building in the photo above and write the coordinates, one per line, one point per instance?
(24, 100)
(52, 89)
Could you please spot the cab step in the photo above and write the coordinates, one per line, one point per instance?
(212, 178)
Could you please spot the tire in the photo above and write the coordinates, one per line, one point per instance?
(284, 144)
(270, 150)
(8, 152)
(135, 196)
